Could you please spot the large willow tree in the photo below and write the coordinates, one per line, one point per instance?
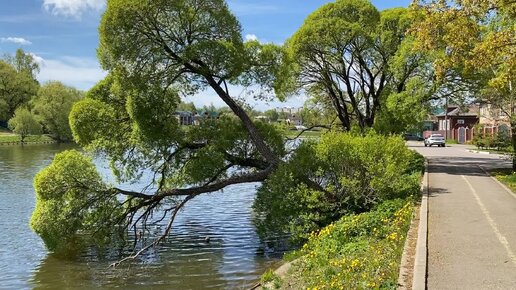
(157, 51)
(357, 58)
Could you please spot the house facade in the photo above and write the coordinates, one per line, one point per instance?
(184, 118)
(457, 124)
(493, 120)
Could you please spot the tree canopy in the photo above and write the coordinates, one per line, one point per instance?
(474, 41)
(16, 89)
(24, 123)
(24, 63)
(156, 52)
(52, 105)
(356, 57)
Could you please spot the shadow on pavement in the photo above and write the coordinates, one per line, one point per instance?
(467, 166)
(434, 191)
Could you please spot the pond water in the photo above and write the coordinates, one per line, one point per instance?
(233, 259)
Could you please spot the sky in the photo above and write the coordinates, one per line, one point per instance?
(62, 35)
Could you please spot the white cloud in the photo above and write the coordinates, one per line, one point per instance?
(251, 37)
(72, 8)
(16, 40)
(81, 73)
(242, 9)
(38, 59)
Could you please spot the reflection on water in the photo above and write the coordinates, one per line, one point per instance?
(232, 259)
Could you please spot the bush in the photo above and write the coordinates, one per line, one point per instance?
(353, 174)
(357, 252)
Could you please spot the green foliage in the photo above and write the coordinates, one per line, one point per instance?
(187, 107)
(270, 279)
(52, 106)
(404, 111)
(474, 40)
(72, 199)
(24, 123)
(13, 139)
(506, 176)
(217, 41)
(416, 163)
(360, 62)
(24, 63)
(501, 140)
(273, 115)
(16, 89)
(356, 252)
(353, 174)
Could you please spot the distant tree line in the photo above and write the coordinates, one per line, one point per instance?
(29, 108)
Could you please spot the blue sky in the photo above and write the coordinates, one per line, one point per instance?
(62, 34)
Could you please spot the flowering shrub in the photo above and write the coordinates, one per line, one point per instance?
(357, 252)
(350, 174)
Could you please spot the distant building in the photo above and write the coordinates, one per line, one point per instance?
(294, 120)
(458, 125)
(289, 110)
(184, 118)
(493, 119)
(205, 115)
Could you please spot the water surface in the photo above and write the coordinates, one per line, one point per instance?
(233, 259)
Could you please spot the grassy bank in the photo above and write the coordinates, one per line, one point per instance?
(506, 176)
(307, 134)
(357, 252)
(11, 139)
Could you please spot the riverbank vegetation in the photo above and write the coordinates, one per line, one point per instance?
(354, 173)
(353, 229)
(12, 139)
(153, 59)
(361, 251)
(356, 62)
(28, 108)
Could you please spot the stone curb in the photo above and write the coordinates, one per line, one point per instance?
(420, 260)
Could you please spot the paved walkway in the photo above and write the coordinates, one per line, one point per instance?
(472, 222)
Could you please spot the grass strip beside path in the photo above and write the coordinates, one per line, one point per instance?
(357, 252)
(505, 176)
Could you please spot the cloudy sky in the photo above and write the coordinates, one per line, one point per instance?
(62, 34)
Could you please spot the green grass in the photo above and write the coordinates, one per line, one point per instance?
(506, 176)
(7, 138)
(496, 151)
(357, 252)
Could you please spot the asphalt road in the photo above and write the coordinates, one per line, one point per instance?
(472, 221)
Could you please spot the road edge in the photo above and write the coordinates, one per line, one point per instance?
(421, 258)
(505, 187)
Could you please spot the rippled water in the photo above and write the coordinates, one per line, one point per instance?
(233, 259)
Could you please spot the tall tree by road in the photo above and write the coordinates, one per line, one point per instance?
(476, 40)
(355, 57)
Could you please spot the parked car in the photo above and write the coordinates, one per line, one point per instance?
(412, 137)
(435, 139)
